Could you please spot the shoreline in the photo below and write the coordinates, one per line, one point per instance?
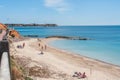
(75, 54)
(70, 62)
(101, 63)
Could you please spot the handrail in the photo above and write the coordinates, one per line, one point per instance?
(5, 70)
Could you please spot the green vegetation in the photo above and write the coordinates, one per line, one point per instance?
(17, 72)
(28, 78)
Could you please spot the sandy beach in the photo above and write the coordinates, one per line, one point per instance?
(63, 64)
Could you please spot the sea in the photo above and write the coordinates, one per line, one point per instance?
(104, 43)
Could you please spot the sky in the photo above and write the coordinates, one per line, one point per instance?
(61, 12)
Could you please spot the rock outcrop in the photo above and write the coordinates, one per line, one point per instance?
(69, 37)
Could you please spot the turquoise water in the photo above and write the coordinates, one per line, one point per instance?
(105, 43)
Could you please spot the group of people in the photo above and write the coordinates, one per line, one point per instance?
(42, 48)
(79, 75)
(21, 46)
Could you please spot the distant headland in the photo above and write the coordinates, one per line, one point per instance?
(45, 25)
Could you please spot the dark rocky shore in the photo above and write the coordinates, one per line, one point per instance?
(69, 37)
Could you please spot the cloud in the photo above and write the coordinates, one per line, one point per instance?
(58, 5)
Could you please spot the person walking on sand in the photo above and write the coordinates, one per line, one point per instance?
(45, 47)
(42, 50)
(23, 45)
(39, 44)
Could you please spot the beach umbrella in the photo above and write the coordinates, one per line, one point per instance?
(14, 33)
(3, 27)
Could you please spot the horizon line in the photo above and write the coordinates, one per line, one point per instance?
(70, 24)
